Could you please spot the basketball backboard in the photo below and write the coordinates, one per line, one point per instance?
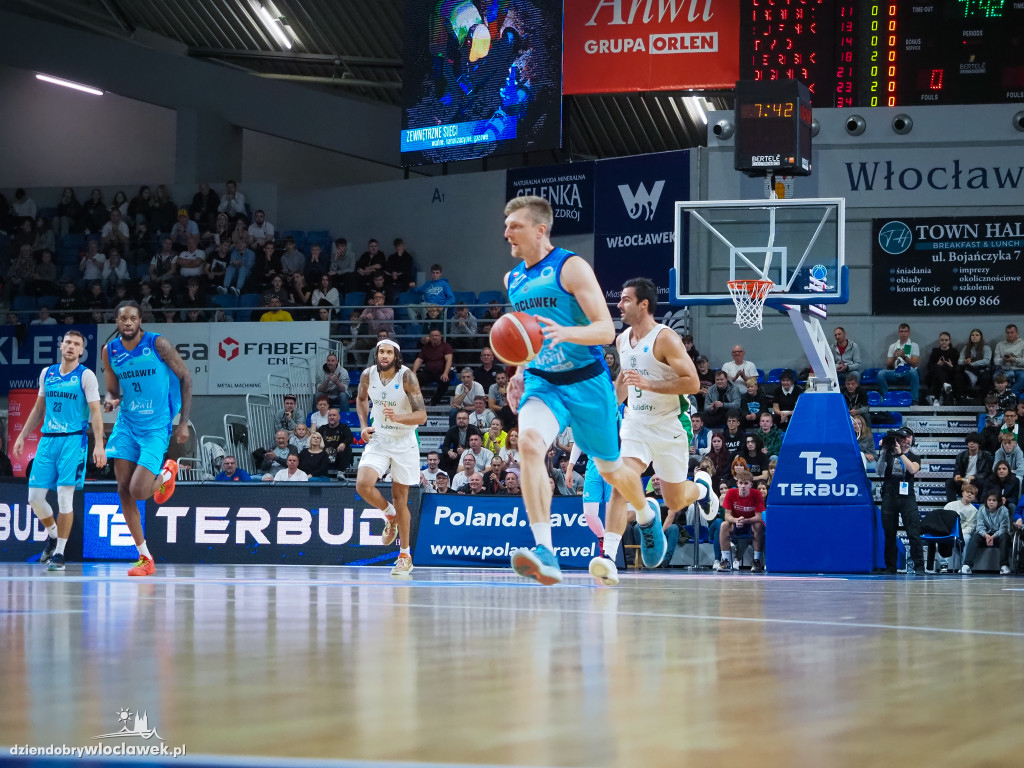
(797, 243)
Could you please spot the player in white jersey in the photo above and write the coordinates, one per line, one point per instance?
(656, 375)
(68, 403)
(391, 444)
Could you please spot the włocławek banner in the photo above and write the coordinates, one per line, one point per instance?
(650, 45)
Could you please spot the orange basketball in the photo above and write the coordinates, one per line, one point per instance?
(516, 338)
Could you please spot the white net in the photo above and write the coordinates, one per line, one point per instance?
(749, 297)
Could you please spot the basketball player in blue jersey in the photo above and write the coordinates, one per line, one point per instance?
(68, 404)
(567, 383)
(147, 378)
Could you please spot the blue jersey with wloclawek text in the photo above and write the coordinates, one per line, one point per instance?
(150, 391)
(67, 411)
(538, 290)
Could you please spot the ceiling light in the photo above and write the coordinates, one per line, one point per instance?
(69, 84)
(271, 19)
(697, 104)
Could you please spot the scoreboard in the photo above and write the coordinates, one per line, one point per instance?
(863, 53)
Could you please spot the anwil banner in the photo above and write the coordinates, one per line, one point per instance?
(650, 45)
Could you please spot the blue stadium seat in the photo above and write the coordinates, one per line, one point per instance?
(72, 241)
(774, 374)
(486, 297)
(318, 235)
(141, 271)
(760, 376)
(351, 418)
(874, 399)
(47, 301)
(24, 304)
(353, 377)
(354, 299)
(900, 399)
(408, 297)
(869, 376)
(465, 297)
(227, 302)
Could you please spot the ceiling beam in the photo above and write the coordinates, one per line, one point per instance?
(349, 82)
(296, 58)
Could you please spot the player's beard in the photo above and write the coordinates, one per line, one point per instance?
(381, 368)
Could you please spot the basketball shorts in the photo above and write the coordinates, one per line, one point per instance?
(403, 462)
(664, 444)
(60, 461)
(595, 489)
(587, 406)
(146, 448)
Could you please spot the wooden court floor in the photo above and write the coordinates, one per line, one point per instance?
(481, 668)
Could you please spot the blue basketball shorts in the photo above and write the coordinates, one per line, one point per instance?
(588, 406)
(146, 448)
(60, 461)
(595, 489)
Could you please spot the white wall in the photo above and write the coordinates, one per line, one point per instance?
(52, 136)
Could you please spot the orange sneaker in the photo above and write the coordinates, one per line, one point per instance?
(166, 489)
(390, 530)
(144, 567)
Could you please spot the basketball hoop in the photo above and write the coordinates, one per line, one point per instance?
(749, 297)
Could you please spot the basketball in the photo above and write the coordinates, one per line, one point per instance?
(516, 338)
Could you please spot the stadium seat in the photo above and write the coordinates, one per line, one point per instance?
(72, 241)
(351, 418)
(874, 399)
(407, 297)
(354, 299)
(774, 374)
(24, 304)
(141, 271)
(465, 297)
(318, 235)
(47, 301)
(869, 376)
(227, 302)
(760, 376)
(901, 399)
(486, 297)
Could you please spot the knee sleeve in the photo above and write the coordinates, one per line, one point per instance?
(66, 499)
(607, 466)
(537, 416)
(591, 511)
(37, 500)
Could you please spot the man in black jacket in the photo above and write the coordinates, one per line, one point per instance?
(456, 441)
(337, 440)
(897, 464)
(973, 466)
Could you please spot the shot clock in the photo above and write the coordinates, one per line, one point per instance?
(773, 127)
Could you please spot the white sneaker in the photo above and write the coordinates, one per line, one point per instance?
(1004, 570)
(221, 289)
(717, 565)
(966, 570)
(700, 477)
(603, 569)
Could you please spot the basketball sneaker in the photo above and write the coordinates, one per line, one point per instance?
(403, 566)
(757, 567)
(652, 538)
(143, 567)
(51, 544)
(725, 566)
(603, 569)
(702, 478)
(390, 530)
(56, 562)
(538, 563)
(166, 489)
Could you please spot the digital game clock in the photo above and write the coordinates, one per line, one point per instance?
(773, 127)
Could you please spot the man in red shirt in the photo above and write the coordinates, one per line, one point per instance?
(433, 364)
(743, 506)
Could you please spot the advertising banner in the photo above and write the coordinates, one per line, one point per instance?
(569, 189)
(650, 45)
(947, 265)
(306, 523)
(633, 218)
(19, 405)
(236, 358)
(481, 531)
(25, 351)
(22, 536)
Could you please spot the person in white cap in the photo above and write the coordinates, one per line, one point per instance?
(393, 391)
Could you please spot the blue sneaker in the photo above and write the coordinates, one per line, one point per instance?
(652, 538)
(538, 563)
(56, 562)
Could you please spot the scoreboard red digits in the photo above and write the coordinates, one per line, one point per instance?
(876, 53)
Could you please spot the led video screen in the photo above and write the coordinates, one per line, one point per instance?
(482, 77)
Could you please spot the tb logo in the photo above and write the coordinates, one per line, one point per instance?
(822, 468)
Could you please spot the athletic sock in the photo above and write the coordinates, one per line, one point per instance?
(757, 555)
(144, 550)
(645, 516)
(405, 551)
(61, 543)
(51, 530)
(611, 544)
(390, 511)
(542, 534)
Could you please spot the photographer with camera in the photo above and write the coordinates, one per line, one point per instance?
(333, 382)
(897, 464)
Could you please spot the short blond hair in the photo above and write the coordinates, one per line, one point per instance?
(539, 209)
